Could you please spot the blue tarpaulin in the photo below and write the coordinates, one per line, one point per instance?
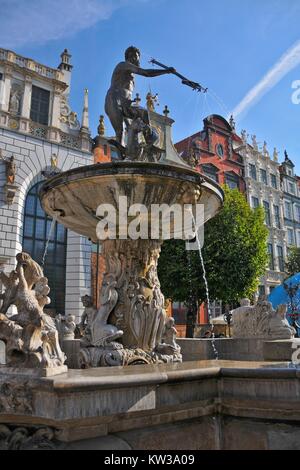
(280, 296)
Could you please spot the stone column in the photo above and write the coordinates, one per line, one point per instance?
(26, 105)
(2, 82)
(56, 107)
(274, 241)
(130, 296)
(6, 87)
(281, 213)
(78, 273)
(272, 217)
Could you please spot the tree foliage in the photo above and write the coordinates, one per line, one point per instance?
(293, 261)
(234, 252)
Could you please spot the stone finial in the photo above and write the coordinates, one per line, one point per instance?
(137, 100)
(254, 142)
(166, 111)
(65, 61)
(275, 154)
(265, 150)
(244, 136)
(151, 101)
(85, 112)
(232, 122)
(286, 157)
(101, 126)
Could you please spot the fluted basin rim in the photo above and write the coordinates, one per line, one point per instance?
(130, 167)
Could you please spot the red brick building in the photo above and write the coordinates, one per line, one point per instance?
(213, 148)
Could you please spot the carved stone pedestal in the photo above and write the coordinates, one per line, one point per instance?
(132, 309)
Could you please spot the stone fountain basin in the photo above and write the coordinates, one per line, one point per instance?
(72, 197)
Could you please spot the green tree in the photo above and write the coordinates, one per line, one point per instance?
(235, 256)
(293, 261)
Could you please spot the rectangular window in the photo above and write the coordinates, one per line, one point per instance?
(255, 202)
(288, 210)
(280, 258)
(276, 216)
(271, 256)
(232, 181)
(273, 181)
(290, 236)
(210, 171)
(291, 188)
(267, 213)
(1, 76)
(39, 111)
(263, 176)
(252, 171)
(297, 213)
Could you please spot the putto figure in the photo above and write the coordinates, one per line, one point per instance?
(118, 102)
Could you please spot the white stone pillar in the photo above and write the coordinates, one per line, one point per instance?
(4, 103)
(78, 273)
(56, 108)
(281, 213)
(272, 216)
(26, 104)
(2, 82)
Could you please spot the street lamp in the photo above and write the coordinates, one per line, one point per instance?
(291, 291)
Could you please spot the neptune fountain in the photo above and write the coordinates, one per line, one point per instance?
(130, 323)
(161, 402)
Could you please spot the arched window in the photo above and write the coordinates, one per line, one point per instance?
(38, 226)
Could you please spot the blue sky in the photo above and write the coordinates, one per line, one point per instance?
(230, 46)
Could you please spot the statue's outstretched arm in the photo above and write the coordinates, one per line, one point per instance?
(148, 72)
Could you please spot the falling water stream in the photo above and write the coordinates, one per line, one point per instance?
(206, 290)
(47, 242)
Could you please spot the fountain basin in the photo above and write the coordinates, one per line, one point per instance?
(130, 297)
(74, 196)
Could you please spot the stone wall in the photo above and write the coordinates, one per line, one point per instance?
(244, 349)
(191, 406)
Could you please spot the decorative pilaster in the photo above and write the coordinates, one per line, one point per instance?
(25, 112)
(56, 107)
(4, 103)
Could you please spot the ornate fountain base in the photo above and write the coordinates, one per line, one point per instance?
(131, 326)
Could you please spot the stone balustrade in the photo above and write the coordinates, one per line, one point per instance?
(30, 64)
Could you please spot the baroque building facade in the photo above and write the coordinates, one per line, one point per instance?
(291, 202)
(263, 188)
(41, 135)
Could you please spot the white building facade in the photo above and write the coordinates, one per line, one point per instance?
(291, 202)
(43, 135)
(263, 188)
